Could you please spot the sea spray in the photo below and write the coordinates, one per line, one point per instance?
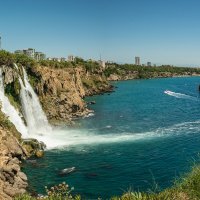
(9, 110)
(36, 119)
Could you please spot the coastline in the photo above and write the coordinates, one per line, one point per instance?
(61, 91)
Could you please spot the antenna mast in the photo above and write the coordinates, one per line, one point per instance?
(0, 42)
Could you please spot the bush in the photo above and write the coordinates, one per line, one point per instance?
(6, 58)
(58, 192)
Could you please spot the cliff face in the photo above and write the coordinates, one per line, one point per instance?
(123, 76)
(12, 180)
(61, 91)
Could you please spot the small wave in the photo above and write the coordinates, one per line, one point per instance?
(180, 95)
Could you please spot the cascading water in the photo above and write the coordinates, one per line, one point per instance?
(10, 111)
(36, 120)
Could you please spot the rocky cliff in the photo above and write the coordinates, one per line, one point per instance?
(61, 91)
(12, 180)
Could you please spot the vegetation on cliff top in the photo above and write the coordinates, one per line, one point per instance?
(7, 58)
(148, 72)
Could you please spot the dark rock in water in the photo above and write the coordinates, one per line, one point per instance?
(91, 175)
(106, 166)
(67, 171)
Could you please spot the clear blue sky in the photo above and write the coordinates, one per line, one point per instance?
(160, 31)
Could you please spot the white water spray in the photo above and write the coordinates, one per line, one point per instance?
(36, 120)
(9, 110)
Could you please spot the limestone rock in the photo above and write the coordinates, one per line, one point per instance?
(12, 180)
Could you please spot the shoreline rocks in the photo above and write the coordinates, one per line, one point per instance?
(12, 180)
(33, 147)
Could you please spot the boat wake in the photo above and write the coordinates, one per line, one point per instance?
(180, 95)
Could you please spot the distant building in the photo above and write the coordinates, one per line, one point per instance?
(148, 64)
(63, 59)
(30, 52)
(40, 56)
(137, 60)
(71, 58)
(19, 52)
(56, 59)
(102, 64)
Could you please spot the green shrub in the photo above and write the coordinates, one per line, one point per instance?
(6, 58)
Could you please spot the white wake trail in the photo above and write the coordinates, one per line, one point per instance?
(180, 95)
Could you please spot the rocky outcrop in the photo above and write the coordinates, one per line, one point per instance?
(123, 76)
(10, 74)
(61, 91)
(33, 147)
(12, 180)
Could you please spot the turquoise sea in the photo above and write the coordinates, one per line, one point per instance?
(143, 136)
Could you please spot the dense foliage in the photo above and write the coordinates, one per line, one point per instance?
(58, 192)
(6, 58)
(88, 65)
(148, 72)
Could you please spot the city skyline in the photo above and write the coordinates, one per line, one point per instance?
(161, 32)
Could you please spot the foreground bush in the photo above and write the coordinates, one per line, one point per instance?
(58, 192)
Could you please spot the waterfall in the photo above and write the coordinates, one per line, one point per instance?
(9, 110)
(36, 120)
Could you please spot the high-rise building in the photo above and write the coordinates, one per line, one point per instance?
(30, 52)
(62, 59)
(149, 64)
(40, 56)
(137, 60)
